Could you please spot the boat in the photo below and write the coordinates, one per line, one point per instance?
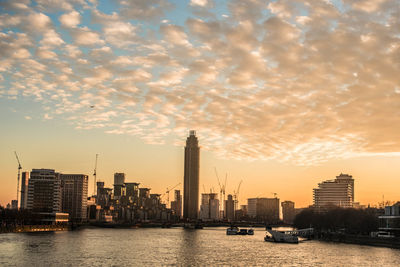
(250, 231)
(242, 232)
(280, 237)
(233, 230)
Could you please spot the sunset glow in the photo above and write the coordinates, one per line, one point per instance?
(282, 94)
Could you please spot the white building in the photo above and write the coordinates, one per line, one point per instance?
(338, 192)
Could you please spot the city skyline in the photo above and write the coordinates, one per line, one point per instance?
(283, 94)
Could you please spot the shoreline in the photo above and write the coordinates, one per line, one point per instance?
(393, 243)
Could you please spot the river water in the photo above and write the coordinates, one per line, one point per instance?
(182, 247)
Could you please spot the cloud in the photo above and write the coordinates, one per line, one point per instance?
(289, 80)
(71, 19)
(201, 3)
(86, 37)
(144, 9)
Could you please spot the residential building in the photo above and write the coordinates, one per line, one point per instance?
(230, 208)
(338, 192)
(24, 189)
(74, 196)
(191, 177)
(44, 191)
(176, 205)
(119, 187)
(209, 208)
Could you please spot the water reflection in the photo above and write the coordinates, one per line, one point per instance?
(155, 247)
(188, 247)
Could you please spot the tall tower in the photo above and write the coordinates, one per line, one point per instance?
(191, 177)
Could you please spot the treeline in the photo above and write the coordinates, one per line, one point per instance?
(350, 221)
(18, 217)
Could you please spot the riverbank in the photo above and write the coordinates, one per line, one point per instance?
(361, 240)
(33, 228)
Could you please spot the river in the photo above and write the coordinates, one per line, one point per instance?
(182, 247)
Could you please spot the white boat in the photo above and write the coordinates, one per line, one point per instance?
(232, 230)
(280, 237)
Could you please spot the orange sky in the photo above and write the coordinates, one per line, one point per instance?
(283, 94)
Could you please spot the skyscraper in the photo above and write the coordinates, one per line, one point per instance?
(74, 196)
(191, 177)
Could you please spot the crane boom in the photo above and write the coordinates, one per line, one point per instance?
(169, 190)
(19, 175)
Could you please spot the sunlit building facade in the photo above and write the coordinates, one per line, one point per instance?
(338, 192)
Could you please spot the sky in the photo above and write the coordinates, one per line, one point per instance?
(282, 94)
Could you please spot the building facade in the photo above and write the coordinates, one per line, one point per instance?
(288, 211)
(390, 221)
(176, 205)
(338, 192)
(209, 208)
(263, 209)
(191, 177)
(74, 196)
(44, 191)
(119, 187)
(230, 208)
(24, 190)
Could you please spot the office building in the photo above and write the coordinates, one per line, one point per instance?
(119, 187)
(191, 177)
(176, 205)
(288, 211)
(44, 191)
(74, 196)
(230, 208)
(338, 192)
(24, 189)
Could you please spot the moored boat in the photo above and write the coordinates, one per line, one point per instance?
(280, 237)
(233, 230)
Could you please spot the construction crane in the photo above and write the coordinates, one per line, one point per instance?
(95, 176)
(169, 190)
(236, 195)
(275, 194)
(19, 175)
(221, 188)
